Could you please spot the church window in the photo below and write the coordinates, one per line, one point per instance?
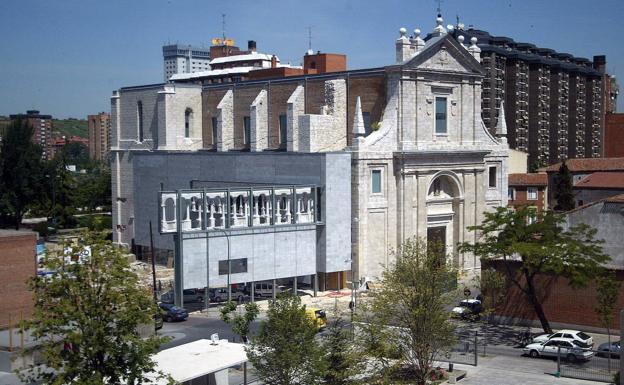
(140, 121)
(376, 182)
(437, 187)
(367, 122)
(492, 177)
(247, 129)
(188, 118)
(282, 129)
(215, 124)
(440, 116)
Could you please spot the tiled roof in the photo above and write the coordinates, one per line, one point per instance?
(589, 164)
(612, 199)
(607, 180)
(534, 179)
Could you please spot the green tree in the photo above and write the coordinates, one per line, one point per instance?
(239, 322)
(94, 187)
(563, 193)
(86, 318)
(492, 285)
(412, 306)
(607, 294)
(285, 350)
(65, 189)
(20, 172)
(542, 247)
(77, 154)
(343, 358)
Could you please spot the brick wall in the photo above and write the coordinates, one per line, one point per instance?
(614, 136)
(520, 198)
(18, 264)
(210, 100)
(561, 302)
(372, 93)
(278, 98)
(243, 97)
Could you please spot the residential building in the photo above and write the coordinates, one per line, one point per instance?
(554, 102)
(18, 263)
(528, 190)
(42, 126)
(597, 186)
(58, 142)
(355, 162)
(184, 59)
(99, 136)
(581, 169)
(614, 136)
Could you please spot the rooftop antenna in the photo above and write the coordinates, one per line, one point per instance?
(223, 25)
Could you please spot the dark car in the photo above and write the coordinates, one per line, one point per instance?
(190, 295)
(614, 349)
(221, 294)
(172, 313)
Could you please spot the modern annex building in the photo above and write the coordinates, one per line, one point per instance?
(310, 175)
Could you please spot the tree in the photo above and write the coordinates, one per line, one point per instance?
(607, 295)
(86, 317)
(65, 189)
(285, 350)
(20, 172)
(543, 247)
(239, 322)
(77, 154)
(492, 285)
(412, 306)
(563, 193)
(343, 359)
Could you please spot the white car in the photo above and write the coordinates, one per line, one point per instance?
(569, 335)
(571, 350)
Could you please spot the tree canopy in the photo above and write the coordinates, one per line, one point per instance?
(563, 192)
(87, 315)
(408, 315)
(20, 172)
(543, 247)
(285, 350)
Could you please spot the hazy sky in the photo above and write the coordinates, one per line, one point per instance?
(65, 57)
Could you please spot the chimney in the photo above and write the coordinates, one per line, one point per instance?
(251, 45)
(600, 63)
(273, 61)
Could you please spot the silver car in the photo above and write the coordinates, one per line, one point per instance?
(569, 349)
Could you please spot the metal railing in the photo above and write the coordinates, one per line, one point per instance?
(601, 366)
(465, 351)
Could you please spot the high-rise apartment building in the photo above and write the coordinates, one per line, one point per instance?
(42, 130)
(554, 102)
(99, 135)
(185, 59)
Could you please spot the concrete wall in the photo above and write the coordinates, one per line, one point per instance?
(608, 220)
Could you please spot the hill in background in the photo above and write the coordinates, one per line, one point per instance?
(71, 127)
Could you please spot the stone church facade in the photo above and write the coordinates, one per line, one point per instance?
(423, 163)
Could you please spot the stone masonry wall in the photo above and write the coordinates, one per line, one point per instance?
(259, 122)
(225, 118)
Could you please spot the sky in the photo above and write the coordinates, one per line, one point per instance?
(65, 57)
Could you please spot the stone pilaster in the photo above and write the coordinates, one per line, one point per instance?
(259, 131)
(225, 122)
(295, 108)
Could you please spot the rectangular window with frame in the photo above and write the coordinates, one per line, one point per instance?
(376, 181)
(283, 127)
(247, 129)
(236, 266)
(215, 126)
(440, 116)
(492, 177)
(532, 193)
(511, 193)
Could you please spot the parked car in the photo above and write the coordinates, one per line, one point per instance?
(221, 294)
(265, 289)
(605, 349)
(572, 350)
(468, 309)
(171, 312)
(570, 335)
(190, 295)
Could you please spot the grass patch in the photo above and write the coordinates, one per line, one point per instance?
(71, 127)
